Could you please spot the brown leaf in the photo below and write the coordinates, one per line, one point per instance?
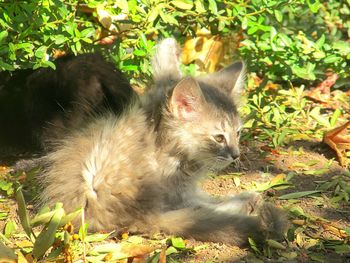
(339, 140)
(206, 50)
(162, 256)
(299, 222)
(56, 53)
(322, 93)
(107, 40)
(334, 230)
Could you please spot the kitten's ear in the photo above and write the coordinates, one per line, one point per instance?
(187, 99)
(232, 78)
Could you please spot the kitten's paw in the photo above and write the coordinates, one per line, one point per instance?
(273, 221)
(253, 204)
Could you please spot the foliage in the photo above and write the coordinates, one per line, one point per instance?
(291, 42)
(282, 40)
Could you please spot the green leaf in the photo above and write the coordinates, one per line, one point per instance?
(139, 52)
(10, 228)
(59, 39)
(342, 249)
(318, 54)
(178, 242)
(41, 52)
(274, 244)
(278, 15)
(199, 6)
(320, 42)
(254, 246)
(213, 7)
(336, 114)
(168, 18)
(343, 47)
(123, 5)
(183, 4)
(332, 59)
(285, 39)
(297, 211)
(70, 217)
(23, 213)
(317, 116)
(87, 32)
(244, 23)
(42, 218)
(47, 236)
(298, 194)
(48, 63)
(98, 237)
(316, 171)
(314, 5)
(303, 73)
(5, 66)
(153, 14)
(171, 250)
(3, 36)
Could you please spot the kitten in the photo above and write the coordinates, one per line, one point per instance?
(142, 170)
(39, 106)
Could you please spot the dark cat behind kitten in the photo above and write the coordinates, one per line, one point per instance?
(142, 170)
(39, 106)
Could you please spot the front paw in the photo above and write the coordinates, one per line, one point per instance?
(251, 202)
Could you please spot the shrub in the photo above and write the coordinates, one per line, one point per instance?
(281, 40)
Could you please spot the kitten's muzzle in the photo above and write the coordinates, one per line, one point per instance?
(233, 153)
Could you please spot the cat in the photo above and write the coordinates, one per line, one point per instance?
(142, 170)
(40, 106)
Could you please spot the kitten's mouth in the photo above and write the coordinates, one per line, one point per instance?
(222, 163)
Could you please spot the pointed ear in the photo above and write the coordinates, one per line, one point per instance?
(187, 99)
(232, 78)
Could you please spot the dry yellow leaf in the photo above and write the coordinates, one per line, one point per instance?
(206, 51)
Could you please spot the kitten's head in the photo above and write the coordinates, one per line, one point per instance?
(203, 118)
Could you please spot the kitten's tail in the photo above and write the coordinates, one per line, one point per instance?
(166, 62)
(209, 225)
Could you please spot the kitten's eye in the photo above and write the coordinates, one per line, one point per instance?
(219, 138)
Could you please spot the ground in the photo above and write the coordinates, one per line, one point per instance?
(318, 220)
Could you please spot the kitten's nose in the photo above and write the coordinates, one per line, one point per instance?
(234, 154)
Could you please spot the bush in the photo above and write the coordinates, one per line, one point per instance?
(280, 40)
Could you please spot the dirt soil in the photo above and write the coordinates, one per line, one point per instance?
(260, 164)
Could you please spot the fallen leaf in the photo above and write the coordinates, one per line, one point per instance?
(278, 179)
(339, 140)
(7, 254)
(299, 222)
(322, 93)
(298, 194)
(162, 256)
(274, 244)
(334, 230)
(123, 250)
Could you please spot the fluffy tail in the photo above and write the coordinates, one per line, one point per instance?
(166, 63)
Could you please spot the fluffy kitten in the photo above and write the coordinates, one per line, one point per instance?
(141, 170)
(38, 106)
